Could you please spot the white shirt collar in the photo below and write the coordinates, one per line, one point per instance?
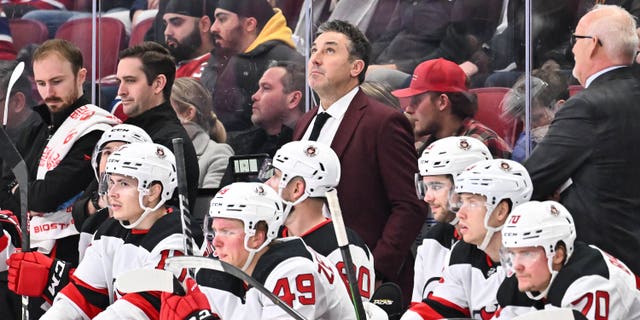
(339, 108)
(599, 73)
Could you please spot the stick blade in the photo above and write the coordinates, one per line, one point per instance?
(190, 262)
(143, 280)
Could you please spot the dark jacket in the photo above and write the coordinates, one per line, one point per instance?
(594, 140)
(239, 80)
(162, 125)
(68, 179)
(375, 145)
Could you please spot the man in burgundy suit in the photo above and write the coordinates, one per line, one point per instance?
(375, 145)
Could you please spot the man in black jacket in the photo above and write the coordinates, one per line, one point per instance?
(145, 76)
(254, 34)
(591, 153)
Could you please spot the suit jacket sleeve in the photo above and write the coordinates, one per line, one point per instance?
(397, 162)
(564, 149)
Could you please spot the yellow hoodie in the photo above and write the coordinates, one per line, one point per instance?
(275, 29)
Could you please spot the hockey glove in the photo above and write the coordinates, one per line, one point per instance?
(192, 306)
(30, 272)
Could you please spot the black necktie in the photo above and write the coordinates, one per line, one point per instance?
(321, 119)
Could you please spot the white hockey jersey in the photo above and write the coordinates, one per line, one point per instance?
(322, 239)
(91, 294)
(301, 277)
(467, 288)
(592, 282)
(431, 258)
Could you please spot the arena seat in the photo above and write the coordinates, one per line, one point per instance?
(111, 38)
(139, 30)
(26, 31)
(489, 113)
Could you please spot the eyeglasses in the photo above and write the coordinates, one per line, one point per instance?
(575, 37)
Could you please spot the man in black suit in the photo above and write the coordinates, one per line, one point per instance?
(375, 145)
(591, 153)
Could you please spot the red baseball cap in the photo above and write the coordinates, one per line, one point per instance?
(437, 75)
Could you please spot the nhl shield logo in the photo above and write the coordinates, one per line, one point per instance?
(554, 211)
(260, 191)
(505, 166)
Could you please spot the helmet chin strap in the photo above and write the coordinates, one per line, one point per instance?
(544, 292)
(252, 252)
(288, 205)
(144, 214)
(490, 230)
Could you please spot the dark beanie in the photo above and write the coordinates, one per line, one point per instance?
(259, 9)
(192, 8)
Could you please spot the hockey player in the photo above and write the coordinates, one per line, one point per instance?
(111, 140)
(440, 162)
(487, 191)
(143, 232)
(245, 219)
(303, 172)
(554, 271)
(95, 206)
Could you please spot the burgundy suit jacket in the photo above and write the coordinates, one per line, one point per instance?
(375, 145)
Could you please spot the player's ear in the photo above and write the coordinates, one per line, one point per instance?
(559, 256)
(155, 191)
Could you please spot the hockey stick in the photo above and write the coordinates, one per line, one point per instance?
(14, 160)
(179, 263)
(343, 243)
(185, 215)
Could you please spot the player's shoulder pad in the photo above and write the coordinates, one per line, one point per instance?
(166, 226)
(509, 295)
(279, 251)
(222, 281)
(585, 261)
(443, 233)
(465, 253)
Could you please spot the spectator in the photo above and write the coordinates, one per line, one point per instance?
(552, 270)
(255, 34)
(425, 30)
(277, 105)
(192, 102)
(549, 90)
(57, 152)
(439, 164)
(187, 34)
(18, 8)
(145, 75)
(487, 192)
(441, 106)
(7, 50)
(375, 147)
(589, 154)
(381, 92)
(304, 172)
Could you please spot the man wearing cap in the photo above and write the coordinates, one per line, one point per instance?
(255, 34)
(438, 104)
(187, 34)
(375, 147)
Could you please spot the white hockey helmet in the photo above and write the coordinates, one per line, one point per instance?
(123, 132)
(148, 163)
(451, 155)
(315, 162)
(249, 202)
(497, 180)
(540, 224)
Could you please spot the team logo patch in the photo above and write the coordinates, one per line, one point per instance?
(505, 166)
(260, 191)
(464, 144)
(160, 153)
(554, 211)
(311, 151)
